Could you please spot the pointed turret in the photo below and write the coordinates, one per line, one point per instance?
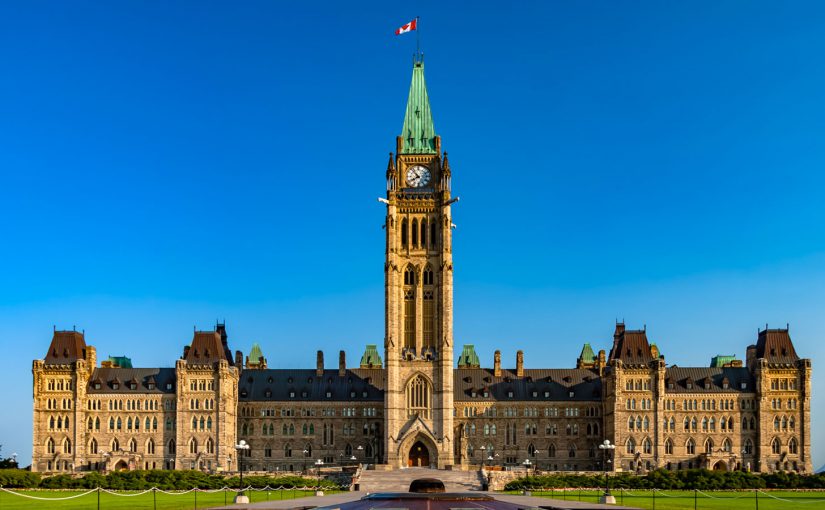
(418, 134)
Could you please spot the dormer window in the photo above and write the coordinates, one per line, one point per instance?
(352, 394)
(289, 380)
(535, 394)
(268, 393)
(150, 385)
(473, 394)
(244, 393)
(269, 380)
(303, 394)
(291, 394)
(132, 386)
(689, 385)
(486, 393)
(97, 385)
(329, 394)
(115, 385)
(707, 385)
(572, 394)
(743, 385)
(546, 394)
(510, 394)
(364, 394)
(168, 386)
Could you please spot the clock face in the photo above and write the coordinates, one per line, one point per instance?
(418, 176)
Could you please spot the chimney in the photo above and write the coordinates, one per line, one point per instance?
(497, 364)
(319, 366)
(342, 364)
(519, 363)
(239, 359)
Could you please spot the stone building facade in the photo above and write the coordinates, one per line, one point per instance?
(417, 406)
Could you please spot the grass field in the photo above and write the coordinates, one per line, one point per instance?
(145, 501)
(711, 500)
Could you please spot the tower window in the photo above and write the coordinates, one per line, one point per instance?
(424, 234)
(419, 397)
(404, 227)
(415, 233)
(433, 237)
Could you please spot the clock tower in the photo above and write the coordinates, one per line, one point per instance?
(418, 284)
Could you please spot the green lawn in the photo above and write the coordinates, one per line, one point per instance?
(164, 501)
(711, 500)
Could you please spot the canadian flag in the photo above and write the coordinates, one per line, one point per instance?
(409, 27)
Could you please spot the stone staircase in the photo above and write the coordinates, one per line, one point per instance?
(399, 480)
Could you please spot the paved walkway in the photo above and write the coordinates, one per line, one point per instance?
(346, 497)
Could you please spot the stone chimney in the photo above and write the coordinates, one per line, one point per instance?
(239, 359)
(342, 364)
(319, 364)
(519, 363)
(497, 364)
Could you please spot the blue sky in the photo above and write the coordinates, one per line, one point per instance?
(169, 164)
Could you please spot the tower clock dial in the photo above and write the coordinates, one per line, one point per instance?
(418, 176)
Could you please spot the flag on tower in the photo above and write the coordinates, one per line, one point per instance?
(409, 27)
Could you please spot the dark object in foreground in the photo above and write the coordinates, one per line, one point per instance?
(427, 485)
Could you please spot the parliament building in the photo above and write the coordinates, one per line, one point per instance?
(415, 404)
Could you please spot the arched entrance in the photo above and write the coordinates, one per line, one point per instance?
(419, 455)
(122, 466)
(720, 466)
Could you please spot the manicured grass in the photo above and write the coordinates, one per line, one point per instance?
(144, 501)
(685, 500)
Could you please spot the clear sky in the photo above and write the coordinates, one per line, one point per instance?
(167, 164)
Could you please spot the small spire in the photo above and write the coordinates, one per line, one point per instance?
(418, 132)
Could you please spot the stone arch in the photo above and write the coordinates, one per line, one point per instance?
(416, 437)
(720, 466)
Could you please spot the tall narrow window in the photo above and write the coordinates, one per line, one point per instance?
(409, 307)
(428, 309)
(424, 234)
(419, 397)
(415, 233)
(433, 237)
(404, 227)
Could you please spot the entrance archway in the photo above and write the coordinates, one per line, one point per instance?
(122, 466)
(419, 455)
(720, 466)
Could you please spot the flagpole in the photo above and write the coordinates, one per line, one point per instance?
(417, 36)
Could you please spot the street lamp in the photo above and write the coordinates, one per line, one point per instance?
(607, 497)
(483, 455)
(242, 447)
(527, 465)
(318, 464)
(306, 454)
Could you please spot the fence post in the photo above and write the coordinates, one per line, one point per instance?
(621, 494)
(224, 495)
(155, 497)
(196, 498)
(98, 497)
(695, 496)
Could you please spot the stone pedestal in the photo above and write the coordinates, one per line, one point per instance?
(319, 493)
(607, 499)
(241, 499)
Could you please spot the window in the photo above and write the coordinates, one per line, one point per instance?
(630, 446)
(691, 447)
(193, 445)
(709, 446)
(793, 446)
(669, 447)
(776, 447)
(419, 397)
(428, 308)
(404, 228)
(646, 446)
(409, 307)
(748, 449)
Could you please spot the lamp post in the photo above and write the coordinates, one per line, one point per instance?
(306, 454)
(242, 447)
(483, 455)
(318, 464)
(607, 498)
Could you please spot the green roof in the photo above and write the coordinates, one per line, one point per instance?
(587, 353)
(721, 360)
(255, 354)
(418, 131)
(468, 358)
(120, 361)
(371, 356)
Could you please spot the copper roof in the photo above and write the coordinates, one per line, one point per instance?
(66, 348)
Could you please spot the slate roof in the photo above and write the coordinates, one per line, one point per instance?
(775, 346)
(143, 376)
(66, 347)
(585, 384)
(276, 385)
(207, 348)
(735, 375)
(631, 346)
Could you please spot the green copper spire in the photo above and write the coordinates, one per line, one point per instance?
(418, 132)
(468, 358)
(371, 359)
(587, 355)
(255, 354)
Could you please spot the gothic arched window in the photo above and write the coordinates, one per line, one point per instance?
(419, 397)
(415, 233)
(404, 227)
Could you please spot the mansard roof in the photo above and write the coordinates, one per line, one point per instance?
(697, 376)
(160, 377)
(557, 383)
(208, 347)
(631, 346)
(775, 346)
(66, 347)
(279, 385)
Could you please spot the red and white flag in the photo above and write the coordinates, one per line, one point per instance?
(409, 27)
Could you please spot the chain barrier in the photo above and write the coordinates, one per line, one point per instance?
(181, 493)
(48, 499)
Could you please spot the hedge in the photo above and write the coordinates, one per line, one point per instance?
(701, 479)
(142, 480)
